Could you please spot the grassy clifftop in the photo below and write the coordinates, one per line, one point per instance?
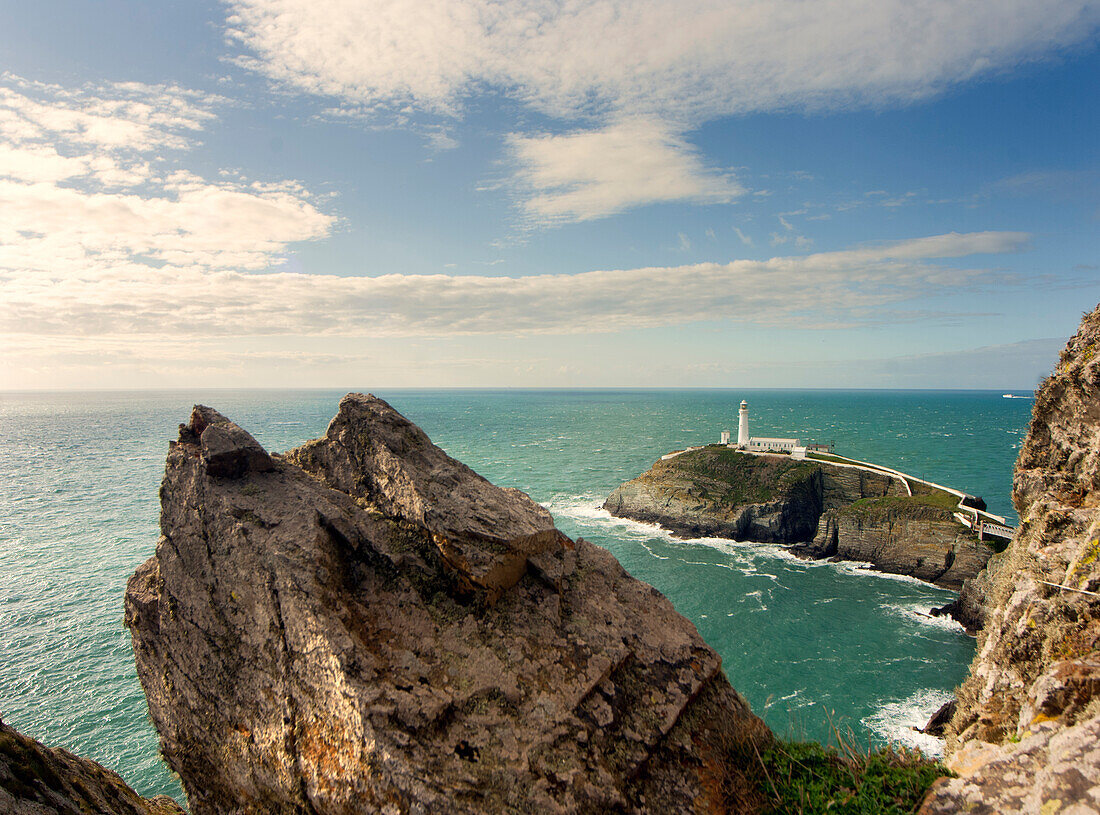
(737, 478)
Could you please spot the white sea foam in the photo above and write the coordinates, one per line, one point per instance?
(899, 721)
(791, 702)
(863, 569)
(588, 509)
(918, 612)
(758, 595)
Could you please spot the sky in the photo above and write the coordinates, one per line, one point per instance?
(530, 193)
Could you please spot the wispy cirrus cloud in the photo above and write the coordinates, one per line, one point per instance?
(690, 60)
(654, 67)
(823, 290)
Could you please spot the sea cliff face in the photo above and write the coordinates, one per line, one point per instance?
(366, 625)
(1026, 734)
(823, 510)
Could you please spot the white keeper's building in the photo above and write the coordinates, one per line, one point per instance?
(760, 444)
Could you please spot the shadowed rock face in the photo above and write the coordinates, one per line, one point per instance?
(366, 625)
(39, 780)
(1026, 735)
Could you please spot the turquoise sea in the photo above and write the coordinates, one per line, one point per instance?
(809, 644)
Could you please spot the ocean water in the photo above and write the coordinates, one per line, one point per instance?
(812, 646)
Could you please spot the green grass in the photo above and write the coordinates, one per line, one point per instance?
(744, 478)
(936, 499)
(804, 777)
(783, 777)
(843, 460)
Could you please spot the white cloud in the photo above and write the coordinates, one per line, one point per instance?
(688, 60)
(128, 116)
(659, 67)
(91, 194)
(831, 289)
(591, 174)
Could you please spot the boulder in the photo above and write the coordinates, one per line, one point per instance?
(367, 625)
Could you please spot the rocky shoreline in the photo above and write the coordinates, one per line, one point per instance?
(365, 625)
(816, 508)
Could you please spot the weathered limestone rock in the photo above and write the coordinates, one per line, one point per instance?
(486, 533)
(1026, 733)
(227, 451)
(1054, 769)
(810, 505)
(40, 780)
(369, 626)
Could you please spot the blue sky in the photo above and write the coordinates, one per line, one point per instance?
(843, 193)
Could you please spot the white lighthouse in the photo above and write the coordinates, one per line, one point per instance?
(743, 425)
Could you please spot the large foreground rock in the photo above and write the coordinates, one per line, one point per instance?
(40, 780)
(1026, 734)
(821, 509)
(366, 625)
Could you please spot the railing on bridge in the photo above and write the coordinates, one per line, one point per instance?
(995, 530)
(983, 527)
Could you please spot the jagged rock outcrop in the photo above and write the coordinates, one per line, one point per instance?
(40, 780)
(366, 625)
(820, 509)
(1026, 734)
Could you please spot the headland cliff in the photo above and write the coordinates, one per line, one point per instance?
(1026, 734)
(822, 509)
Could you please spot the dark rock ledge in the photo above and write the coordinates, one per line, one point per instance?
(40, 780)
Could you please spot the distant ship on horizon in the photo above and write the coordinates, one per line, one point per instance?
(1015, 396)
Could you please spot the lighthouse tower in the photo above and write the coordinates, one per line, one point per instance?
(743, 425)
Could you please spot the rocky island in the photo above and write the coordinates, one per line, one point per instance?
(822, 507)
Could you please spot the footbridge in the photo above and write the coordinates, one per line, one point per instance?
(983, 527)
(986, 524)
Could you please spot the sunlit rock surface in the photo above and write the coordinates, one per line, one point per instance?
(366, 625)
(1026, 735)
